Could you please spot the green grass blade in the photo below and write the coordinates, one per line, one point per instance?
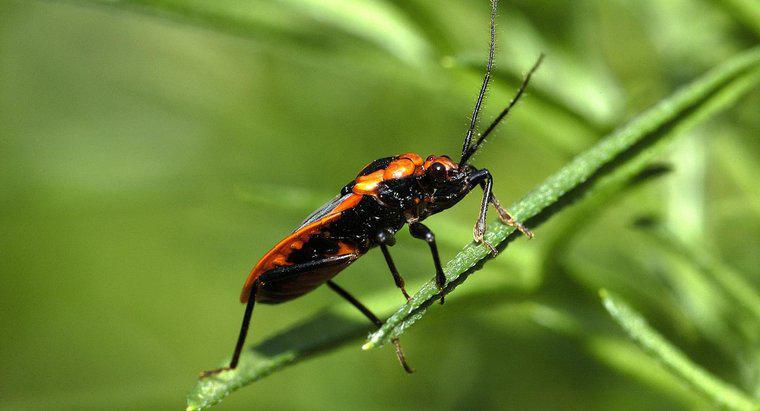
(626, 358)
(745, 11)
(320, 333)
(377, 22)
(742, 168)
(622, 155)
(702, 258)
(626, 151)
(618, 353)
(673, 359)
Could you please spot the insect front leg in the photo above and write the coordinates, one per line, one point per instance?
(507, 219)
(483, 177)
(419, 230)
(372, 317)
(485, 180)
(386, 239)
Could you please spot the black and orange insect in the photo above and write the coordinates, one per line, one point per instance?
(386, 194)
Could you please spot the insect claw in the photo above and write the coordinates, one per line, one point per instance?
(479, 230)
(480, 240)
(440, 288)
(507, 219)
(494, 251)
(521, 228)
(206, 374)
(406, 295)
(401, 357)
(525, 231)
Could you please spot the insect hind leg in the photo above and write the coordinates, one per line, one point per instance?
(372, 317)
(286, 273)
(241, 337)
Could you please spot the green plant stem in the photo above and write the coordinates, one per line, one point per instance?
(746, 12)
(673, 359)
(379, 23)
(732, 283)
(625, 152)
(325, 331)
(614, 159)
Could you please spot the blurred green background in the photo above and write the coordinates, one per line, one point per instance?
(153, 150)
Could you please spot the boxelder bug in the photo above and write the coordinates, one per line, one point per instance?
(386, 194)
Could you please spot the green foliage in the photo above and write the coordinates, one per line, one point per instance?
(152, 150)
(623, 153)
(729, 281)
(377, 22)
(637, 328)
(614, 159)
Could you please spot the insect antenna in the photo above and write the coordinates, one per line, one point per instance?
(483, 88)
(466, 156)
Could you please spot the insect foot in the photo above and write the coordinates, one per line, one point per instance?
(478, 234)
(206, 374)
(521, 228)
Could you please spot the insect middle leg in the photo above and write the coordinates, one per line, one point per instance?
(421, 231)
(387, 239)
(485, 180)
(372, 317)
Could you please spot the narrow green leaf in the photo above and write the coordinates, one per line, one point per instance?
(625, 152)
(702, 258)
(328, 329)
(564, 234)
(625, 357)
(568, 89)
(320, 333)
(575, 84)
(673, 359)
(745, 11)
(378, 22)
(743, 168)
(618, 353)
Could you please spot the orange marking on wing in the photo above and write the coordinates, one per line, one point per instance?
(368, 184)
(400, 168)
(369, 187)
(346, 248)
(416, 159)
(403, 166)
(278, 255)
(377, 175)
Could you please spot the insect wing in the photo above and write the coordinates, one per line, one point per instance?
(323, 211)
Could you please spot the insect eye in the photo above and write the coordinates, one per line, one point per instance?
(437, 171)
